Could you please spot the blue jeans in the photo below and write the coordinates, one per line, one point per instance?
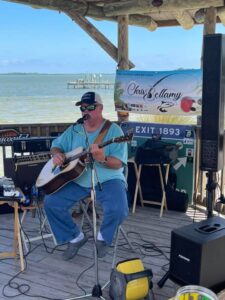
(113, 199)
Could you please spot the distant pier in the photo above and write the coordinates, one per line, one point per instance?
(91, 81)
(82, 84)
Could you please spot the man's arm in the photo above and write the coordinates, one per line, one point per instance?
(109, 161)
(112, 162)
(58, 156)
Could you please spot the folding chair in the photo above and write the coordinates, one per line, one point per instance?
(35, 208)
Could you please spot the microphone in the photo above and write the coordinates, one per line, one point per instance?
(81, 120)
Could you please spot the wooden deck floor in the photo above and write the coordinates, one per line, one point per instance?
(48, 275)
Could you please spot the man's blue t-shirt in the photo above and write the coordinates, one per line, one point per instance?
(74, 137)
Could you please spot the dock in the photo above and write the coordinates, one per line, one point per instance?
(91, 81)
(82, 84)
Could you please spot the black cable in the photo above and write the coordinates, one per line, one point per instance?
(80, 275)
(148, 247)
(153, 295)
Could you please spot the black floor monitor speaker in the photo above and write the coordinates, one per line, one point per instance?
(198, 254)
(213, 88)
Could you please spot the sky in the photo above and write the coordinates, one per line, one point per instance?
(44, 41)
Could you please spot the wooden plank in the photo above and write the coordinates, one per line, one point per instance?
(47, 274)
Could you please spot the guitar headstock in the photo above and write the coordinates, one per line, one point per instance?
(120, 139)
(126, 138)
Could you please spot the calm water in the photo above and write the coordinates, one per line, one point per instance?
(34, 98)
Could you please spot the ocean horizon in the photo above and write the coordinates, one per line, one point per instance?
(45, 98)
(30, 98)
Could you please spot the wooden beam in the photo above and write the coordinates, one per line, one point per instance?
(123, 61)
(97, 13)
(209, 26)
(145, 6)
(210, 21)
(184, 19)
(143, 21)
(55, 4)
(96, 35)
(221, 14)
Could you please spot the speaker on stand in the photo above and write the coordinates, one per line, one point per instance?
(212, 129)
(197, 251)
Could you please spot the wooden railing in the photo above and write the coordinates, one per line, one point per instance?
(45, 129)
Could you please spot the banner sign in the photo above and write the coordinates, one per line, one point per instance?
(164, 131)
(165, 92)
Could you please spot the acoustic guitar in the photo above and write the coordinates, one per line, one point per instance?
(52, 177)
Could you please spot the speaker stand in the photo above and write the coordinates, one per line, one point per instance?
(162, 281)
(210, 192)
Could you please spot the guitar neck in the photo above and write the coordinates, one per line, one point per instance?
(102, 145)
(74, 157)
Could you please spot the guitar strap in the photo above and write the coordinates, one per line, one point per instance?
(103, 132)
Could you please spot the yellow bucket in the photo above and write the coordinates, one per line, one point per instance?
(195, 292)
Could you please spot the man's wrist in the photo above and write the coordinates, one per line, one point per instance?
(103, 162)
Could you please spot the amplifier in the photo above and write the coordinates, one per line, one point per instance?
(33, 144)
(23, 173)
(31, 159)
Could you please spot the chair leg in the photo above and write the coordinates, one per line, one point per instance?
(17, 236)
(84, 207)
(25, 240)
(120, 230)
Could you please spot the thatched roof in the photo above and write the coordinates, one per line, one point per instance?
(150, 14)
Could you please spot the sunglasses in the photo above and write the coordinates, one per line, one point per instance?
(90, 107)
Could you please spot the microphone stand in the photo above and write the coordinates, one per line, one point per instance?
(96, 290)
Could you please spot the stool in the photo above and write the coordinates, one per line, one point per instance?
(33, 208)
(163, 182)
(84, 204)
(18, 249)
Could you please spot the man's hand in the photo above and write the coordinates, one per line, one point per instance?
(98, 153)
(58, 158)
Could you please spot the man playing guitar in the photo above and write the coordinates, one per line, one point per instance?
(109, 163)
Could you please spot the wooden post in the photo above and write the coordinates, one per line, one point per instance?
(210, 21)
(123, 61)
(209, 25)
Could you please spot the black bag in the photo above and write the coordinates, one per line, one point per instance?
(156, 152)
(176, 200)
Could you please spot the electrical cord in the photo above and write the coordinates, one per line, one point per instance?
(146, 247)
(80, 275)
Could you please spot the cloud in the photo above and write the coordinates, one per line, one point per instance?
(10, 62)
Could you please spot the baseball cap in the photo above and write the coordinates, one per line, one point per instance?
(90, 98)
